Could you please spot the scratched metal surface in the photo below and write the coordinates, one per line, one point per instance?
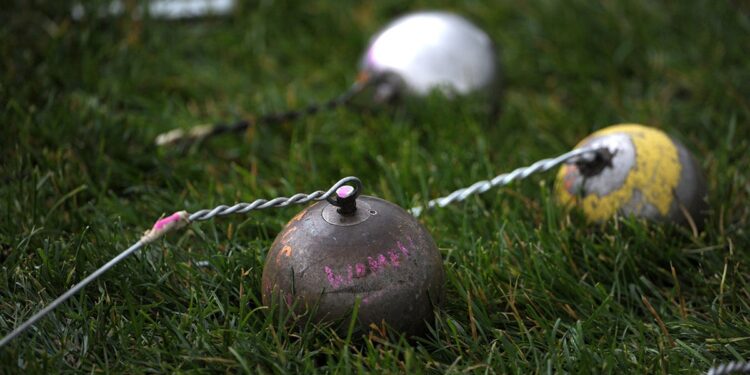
(389, 261)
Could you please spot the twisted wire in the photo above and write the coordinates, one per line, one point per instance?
(733, 367)
(207, 131)
(580, 154)
(260, 204)
(176, 221)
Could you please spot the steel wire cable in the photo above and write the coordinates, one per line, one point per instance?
(183, 218)
(176, 221)
(202, 132)
(734, 367)
(581, 155)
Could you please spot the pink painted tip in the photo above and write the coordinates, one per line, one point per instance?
(161, 223)
(344, 191)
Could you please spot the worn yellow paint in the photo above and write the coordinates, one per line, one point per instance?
(656, 174)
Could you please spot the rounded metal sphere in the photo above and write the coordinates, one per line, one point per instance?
(431, 50)
(323, 261)
(650, 175)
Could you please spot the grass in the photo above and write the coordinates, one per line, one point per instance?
(531, 288)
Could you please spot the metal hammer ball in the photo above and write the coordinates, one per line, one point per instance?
(431, 50)
(324, 260)
(649, 175)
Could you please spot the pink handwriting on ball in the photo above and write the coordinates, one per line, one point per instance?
(380, 261)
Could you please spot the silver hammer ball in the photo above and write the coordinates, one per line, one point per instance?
(430, 50)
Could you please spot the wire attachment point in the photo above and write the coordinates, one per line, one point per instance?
(162, 226)
(345, 197)
(587, 153)
(593, 163)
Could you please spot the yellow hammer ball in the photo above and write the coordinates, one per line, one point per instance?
(648, 175)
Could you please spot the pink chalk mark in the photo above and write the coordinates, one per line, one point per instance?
(403, 248)
(374, 263)
(161, 223)
(344, 191)
(377, 262)
(382, 260)
(394, 258)
(361, 269)
(334, 280)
